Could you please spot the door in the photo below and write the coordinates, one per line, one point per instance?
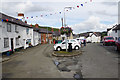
(12, 45)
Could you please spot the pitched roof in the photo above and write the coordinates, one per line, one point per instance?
(42, 30)
(117, 27)
(56, 33)
(13, 20)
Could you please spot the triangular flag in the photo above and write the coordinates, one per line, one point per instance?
(6, 19)
(77, 6)
(31, 16)
(27, 17)
(2, 20)
(81, 4)
(60, 12)
(90, 0)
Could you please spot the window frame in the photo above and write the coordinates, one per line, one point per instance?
(8, 27)
(17, 41)
(6, 44)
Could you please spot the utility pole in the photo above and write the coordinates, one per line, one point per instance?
(62, 21)
(65, 23)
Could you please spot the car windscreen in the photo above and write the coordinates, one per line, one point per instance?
(109, 38)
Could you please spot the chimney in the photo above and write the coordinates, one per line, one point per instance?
(36, 25)
(21, 16)
(31, 25)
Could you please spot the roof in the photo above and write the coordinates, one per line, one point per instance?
(56, 33)
(13, 20)
(87, 34)
(42, 30)
(117, 27)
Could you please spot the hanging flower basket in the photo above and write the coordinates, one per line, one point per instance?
(66, 30)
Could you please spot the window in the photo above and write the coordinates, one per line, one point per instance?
(73, 41)
(16, 28)
(6, 42)
(27, 30)
(8, 27)
(119, 39)
(17, 41)
(115, 31)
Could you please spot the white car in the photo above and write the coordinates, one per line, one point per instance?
(62, 46)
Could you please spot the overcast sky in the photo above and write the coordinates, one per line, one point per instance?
(97, 15)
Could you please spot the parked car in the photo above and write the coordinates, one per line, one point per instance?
(108, 40)
(117, 45)
(58, 41)
(62, 45)
(79, 40)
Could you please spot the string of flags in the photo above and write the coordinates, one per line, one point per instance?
(69, 8)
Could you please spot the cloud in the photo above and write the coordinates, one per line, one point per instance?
(92, 24)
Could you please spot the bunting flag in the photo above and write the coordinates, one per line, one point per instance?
(81, 4)
(2, 20)
(6, 19)
(17, 19)
(66, 9)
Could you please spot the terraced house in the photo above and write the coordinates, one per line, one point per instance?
(14, 33)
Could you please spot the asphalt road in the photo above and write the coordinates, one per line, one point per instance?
(97, 61)
(34, 63)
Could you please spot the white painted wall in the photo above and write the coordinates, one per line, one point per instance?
(35, 38)
(21, 32)
(10, 35)
(118, 33)
(93, 38)
(28, 36)
(112, 33)
(0, 36)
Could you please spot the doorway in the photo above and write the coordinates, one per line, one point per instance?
(12, 45)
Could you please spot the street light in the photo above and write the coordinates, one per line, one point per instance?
(65, 23)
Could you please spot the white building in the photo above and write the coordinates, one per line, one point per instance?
(114, 32)
(14, 34)
(36, 37)
(94, 37)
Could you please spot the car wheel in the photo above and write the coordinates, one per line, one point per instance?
(58, 48)
(76, 47)
(116, 48)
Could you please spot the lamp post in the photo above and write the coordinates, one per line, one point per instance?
(65, 23)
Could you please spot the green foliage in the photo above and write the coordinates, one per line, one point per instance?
(49, 28)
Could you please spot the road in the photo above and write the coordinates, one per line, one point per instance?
(34, 63)
(99, 61)
(96, 61)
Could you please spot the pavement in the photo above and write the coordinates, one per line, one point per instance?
(96, 61)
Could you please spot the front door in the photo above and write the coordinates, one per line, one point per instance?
(12, 45)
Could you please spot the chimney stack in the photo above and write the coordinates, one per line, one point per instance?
(36, 25)
(21, 16)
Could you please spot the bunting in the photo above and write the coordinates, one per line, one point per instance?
(43, 15)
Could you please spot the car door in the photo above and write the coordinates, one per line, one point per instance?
(63, 45)
(73, 43)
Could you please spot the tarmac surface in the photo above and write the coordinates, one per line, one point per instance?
(96, 61)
